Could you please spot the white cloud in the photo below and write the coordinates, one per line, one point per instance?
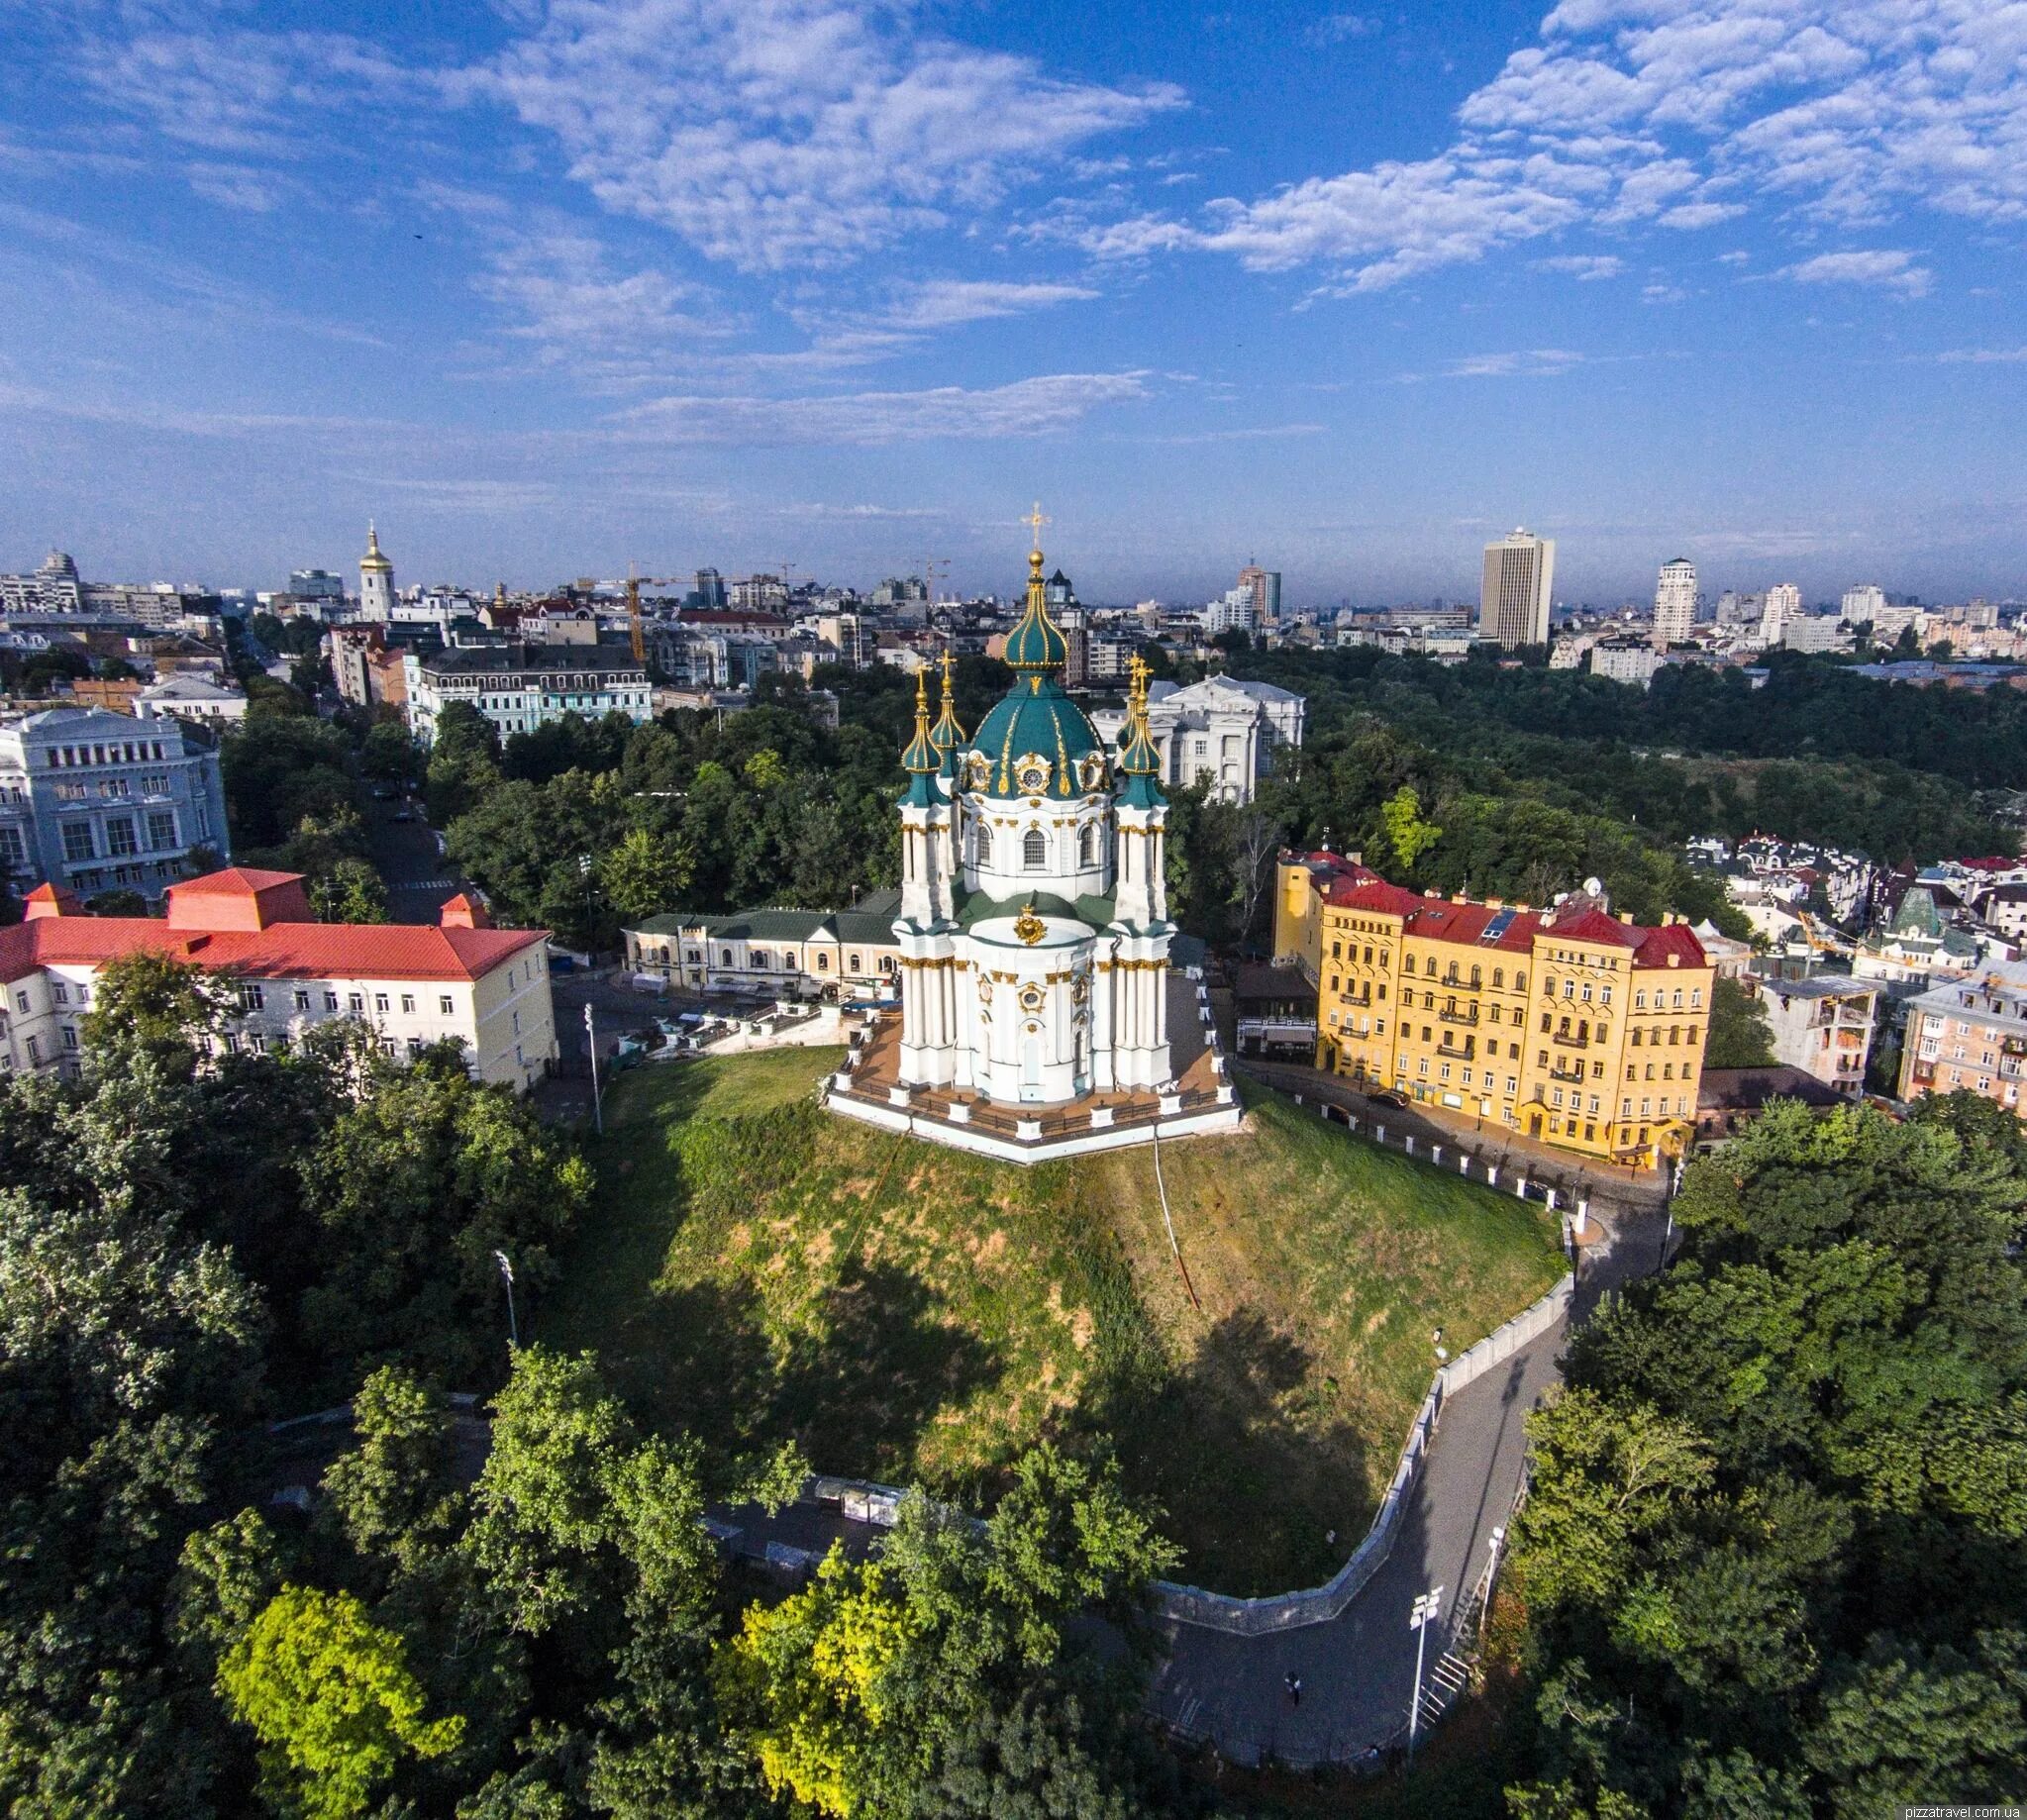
(1677, 112)
(1521, 363)
(1586, 267)
(1341, 28)
(944, 303)
(1983, 356)
(787, 133)
(1024, 407)
(1892, 270)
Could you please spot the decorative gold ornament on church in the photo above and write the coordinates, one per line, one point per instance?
(1028, 925)
(1032, 998)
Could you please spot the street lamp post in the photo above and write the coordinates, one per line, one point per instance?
(591, 1043)
(1426, 1607)
(513, 1326)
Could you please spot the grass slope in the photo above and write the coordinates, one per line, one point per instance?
(755, 1267)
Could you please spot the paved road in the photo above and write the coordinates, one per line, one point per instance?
(418, 880)
(1357, 1670)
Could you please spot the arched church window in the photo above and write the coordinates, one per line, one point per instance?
(1088, 846)
(1034, 850)
(984, 845)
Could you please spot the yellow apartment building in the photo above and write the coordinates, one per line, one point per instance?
(1570, 1025)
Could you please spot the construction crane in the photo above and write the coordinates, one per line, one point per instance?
(634, 617)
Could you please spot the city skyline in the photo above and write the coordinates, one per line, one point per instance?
(1349, 293)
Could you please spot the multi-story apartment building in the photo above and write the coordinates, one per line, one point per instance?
(1626, 661)
(1969, 1035)
(1221, 732)
(1517, 586)
(1569, 1025)
(411, 985)
(1824, 1026)
(91, 800)
(1674, 603)
(520, 688)
(782, 953)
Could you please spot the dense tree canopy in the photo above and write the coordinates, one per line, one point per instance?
(1774, 1549)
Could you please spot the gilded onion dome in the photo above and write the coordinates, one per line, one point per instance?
(1139, 759)
(919, 757)
(1036, 646)
(1035, 741)
(374, 560)
(947, 736)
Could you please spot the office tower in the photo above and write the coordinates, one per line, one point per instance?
(1784, 606)
(1265, 587)
(710, 588)
(375, 580)
(1863, 605)
(1513, 601)
(1674, 603)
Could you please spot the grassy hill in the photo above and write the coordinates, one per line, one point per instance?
(756, 1267)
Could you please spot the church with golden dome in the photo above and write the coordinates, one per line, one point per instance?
(1033, 927)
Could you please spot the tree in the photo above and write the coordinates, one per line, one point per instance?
(395, 1494)
(388, 754)
(351, 891)
(948, 1668)
(1740, 1035)
(330, 1697)
(1407, 834)
(1259, 839)
(646, 875)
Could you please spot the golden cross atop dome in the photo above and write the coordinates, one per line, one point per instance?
(1035, 521)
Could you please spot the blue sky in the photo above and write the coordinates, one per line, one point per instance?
(547, 288)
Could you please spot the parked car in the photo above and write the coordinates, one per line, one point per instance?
(1386, 1096)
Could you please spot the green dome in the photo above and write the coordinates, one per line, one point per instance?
(1036, 644)
(1034, 718)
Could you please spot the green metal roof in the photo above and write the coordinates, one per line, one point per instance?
(1035, 717)
(977, 908)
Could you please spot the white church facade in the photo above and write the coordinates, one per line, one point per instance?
(1035, 944)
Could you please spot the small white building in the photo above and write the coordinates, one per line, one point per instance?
(192, 697)
(1823, 1026)
(1626, 661)
(1222, 731)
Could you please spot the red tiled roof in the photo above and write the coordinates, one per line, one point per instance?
(235, 882)
(282, 951)
(1657, 944)
(1440, 919)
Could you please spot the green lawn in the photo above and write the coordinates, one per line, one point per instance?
(755, 1267)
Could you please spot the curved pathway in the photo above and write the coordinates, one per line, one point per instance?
(1357, 1669)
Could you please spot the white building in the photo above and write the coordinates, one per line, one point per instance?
(1221, 732)
(1675, 604)
(192, 697)
(848, 955)
(411, 985)
(1823, 1026)
(1624, 661)
(520, 688)
(1863, 605)
(95, 801)
(1784, 604)
(1516, 588)
(375, 580)
(1817, 632)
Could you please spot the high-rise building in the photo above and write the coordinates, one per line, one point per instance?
(710, 588)
(1674, 603)
(1863, 605)
(375, 580)
(1513, 600)
(1784, 607)
(316, 584)
(1265, 587)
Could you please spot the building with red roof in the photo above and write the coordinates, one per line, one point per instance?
(1566, 1024)
(413, 984)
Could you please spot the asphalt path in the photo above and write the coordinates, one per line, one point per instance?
(1357, 1670)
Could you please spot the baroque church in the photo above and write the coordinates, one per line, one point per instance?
(1033, 928)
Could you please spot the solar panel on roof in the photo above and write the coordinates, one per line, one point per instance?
(1501, 921)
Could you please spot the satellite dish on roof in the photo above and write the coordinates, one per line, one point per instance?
(1593, 888)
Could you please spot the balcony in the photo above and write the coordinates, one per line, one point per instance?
(1571, 1039)
(1573, 1071)
(1466, 1051)
(1467, 1018)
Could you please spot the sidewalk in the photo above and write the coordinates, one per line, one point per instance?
(1609, 1185)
